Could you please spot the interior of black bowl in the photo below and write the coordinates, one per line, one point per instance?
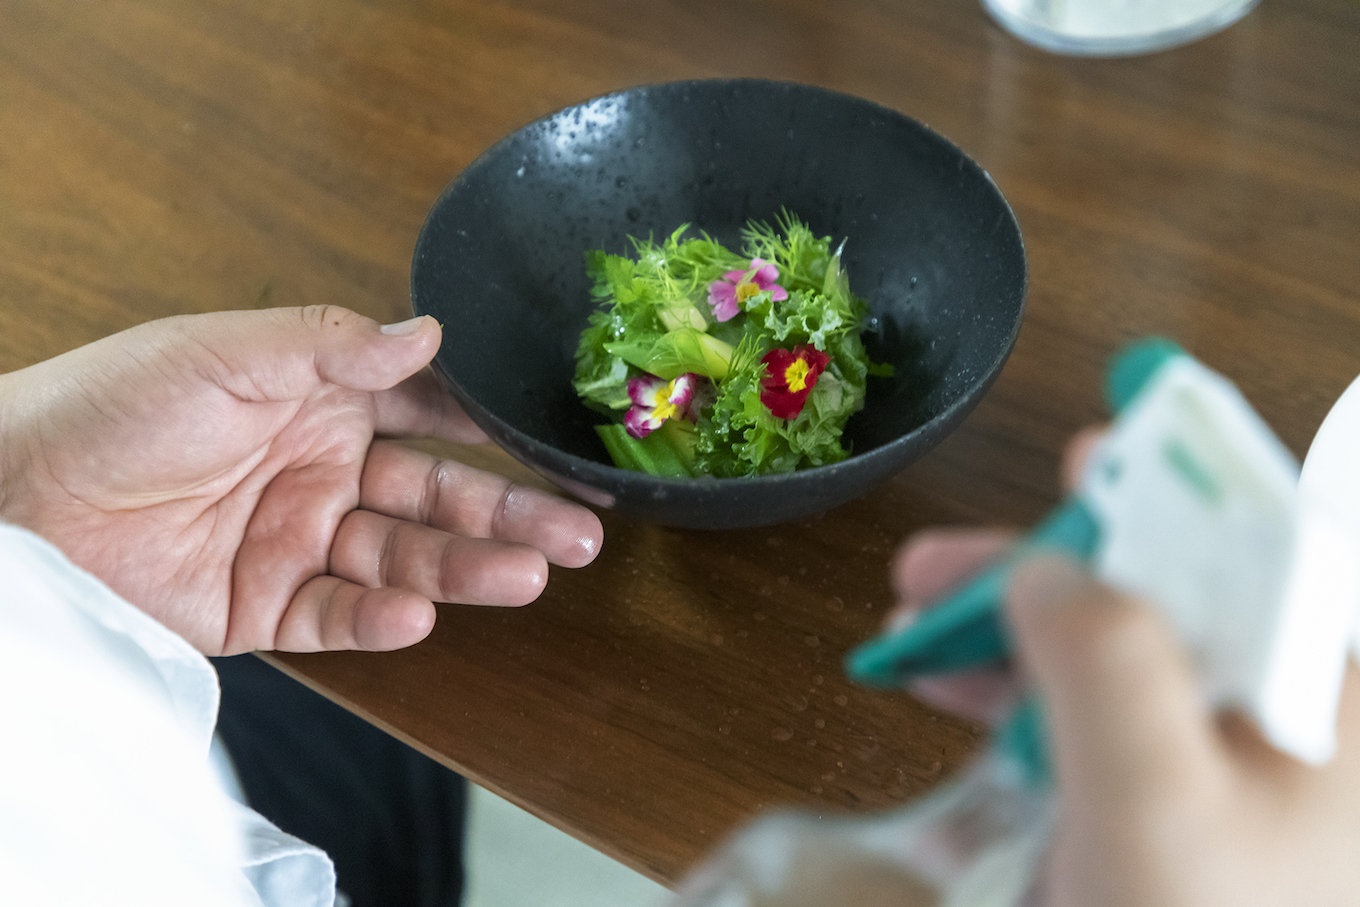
(931, 242)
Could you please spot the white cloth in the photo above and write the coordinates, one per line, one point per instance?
(108, 794)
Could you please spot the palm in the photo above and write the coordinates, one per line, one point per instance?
(234, 493)
(221, 500)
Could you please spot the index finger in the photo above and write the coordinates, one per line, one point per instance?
(928, 566)
(1077, 453)
(934, 562)
(445, 494)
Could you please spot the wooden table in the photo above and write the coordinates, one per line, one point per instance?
(192, 155)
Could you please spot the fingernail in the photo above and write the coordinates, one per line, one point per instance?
(1046, 580)
(402, 328)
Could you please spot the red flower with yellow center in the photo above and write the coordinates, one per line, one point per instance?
(790, 375)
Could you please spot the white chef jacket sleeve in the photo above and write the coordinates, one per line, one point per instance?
(108, 794)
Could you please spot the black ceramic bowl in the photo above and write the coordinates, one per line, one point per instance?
(932, 245)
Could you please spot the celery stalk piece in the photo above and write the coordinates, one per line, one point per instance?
(681, 314)
(689, 350)
(667, 452)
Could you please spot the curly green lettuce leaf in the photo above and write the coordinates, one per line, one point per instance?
(741, 437)
(601, 377)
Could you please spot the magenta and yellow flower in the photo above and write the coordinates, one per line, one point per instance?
(728, 294)
(655, 400)
(790, 375)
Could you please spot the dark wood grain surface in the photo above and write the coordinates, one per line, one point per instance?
(166, 157)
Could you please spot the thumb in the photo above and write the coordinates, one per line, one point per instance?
(280, 354)
(1126, 718)
(358, 353)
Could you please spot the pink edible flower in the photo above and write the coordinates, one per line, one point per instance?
(655, 400)
(727, 294)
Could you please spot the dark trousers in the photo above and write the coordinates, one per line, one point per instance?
(389, 817)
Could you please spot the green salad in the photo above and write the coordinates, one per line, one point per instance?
(713, 362)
